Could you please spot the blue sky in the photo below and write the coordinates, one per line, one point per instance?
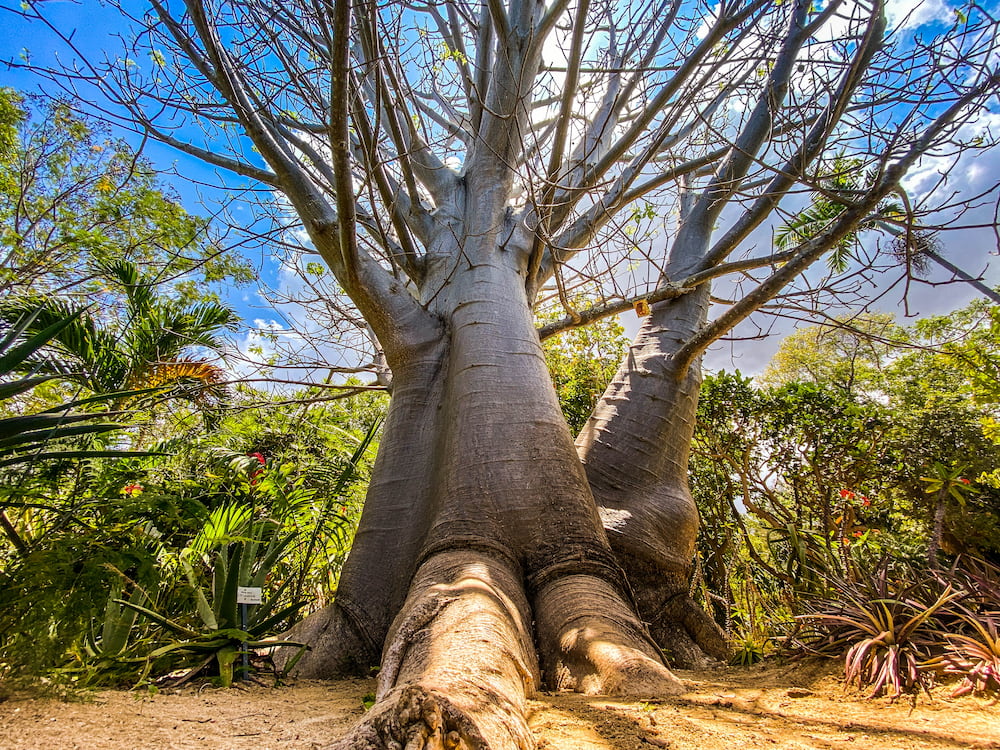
(93, 28)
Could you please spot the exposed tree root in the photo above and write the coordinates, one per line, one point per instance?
(459, 662)
(689, 636)
(415, 717)
(591, 642)
(335, 646)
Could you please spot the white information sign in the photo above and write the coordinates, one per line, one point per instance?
(248, 595)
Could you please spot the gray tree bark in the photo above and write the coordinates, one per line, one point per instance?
(482, 512)
(635, 448)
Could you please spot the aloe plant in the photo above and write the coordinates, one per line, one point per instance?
(241, 551)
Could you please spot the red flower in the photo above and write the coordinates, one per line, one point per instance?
(257, 472)
(846, 494)
(132, 489)
(865, 502)
(858, 534)
(963, 480)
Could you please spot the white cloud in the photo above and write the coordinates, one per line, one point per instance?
(259, 345)
(910, 14)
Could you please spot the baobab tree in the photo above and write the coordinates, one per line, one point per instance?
(456, 163)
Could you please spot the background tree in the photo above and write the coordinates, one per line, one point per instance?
(73, 199)
(493, 150)
(582, 362)
(932, 389)
(856, 460)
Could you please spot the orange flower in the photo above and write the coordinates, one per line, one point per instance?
(132, 489)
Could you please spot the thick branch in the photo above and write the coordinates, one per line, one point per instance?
(812, 146)
(810, 251)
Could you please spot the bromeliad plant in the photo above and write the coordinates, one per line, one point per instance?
(972, 642)
(240, 550)
(975, 654)
(901, 636)
(889, 633)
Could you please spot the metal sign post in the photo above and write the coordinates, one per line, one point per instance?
(245, 596)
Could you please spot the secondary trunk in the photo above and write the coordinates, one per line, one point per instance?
(635, 449)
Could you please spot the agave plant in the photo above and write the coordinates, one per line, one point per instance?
(242, 552)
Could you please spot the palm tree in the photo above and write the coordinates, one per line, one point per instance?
(50, 434)
(157, 344)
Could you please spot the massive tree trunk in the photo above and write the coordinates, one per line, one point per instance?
(479, 495)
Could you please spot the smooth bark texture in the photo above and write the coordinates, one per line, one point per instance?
(512, 535)
(635, 448)
(459, 663)
(348, 635)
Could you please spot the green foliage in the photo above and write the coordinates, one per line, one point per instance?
(947, 481)
(270, 495)
(11, 115)
(51, 598)
(112, 566)
(849, 451)
(149, 347)
(582, 361)
(839, 181)
(850, 355)
(747, 651)
(237, 549)
(72, 200)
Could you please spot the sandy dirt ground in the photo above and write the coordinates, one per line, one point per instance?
(797, 706)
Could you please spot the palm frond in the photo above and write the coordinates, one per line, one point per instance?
(807, 224)
(76, 347)
(139, 290)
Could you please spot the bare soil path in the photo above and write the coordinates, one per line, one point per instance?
(784, 707)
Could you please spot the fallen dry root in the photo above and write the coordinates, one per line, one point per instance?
(414, 717)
